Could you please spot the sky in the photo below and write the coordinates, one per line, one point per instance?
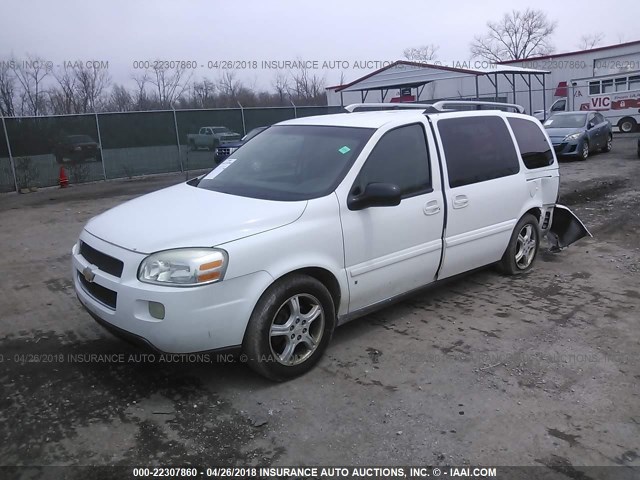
(239, 32)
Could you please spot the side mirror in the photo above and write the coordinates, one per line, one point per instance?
(590, 125)
(375, 195)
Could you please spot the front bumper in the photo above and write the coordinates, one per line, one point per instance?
(196, 319)
(568, 148)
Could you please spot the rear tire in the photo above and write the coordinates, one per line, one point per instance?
(290, 328)
(627, 125)
(523, 247)
(609, 145)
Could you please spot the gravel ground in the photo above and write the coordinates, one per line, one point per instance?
(537, 370)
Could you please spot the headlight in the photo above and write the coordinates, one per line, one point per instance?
(184, 267)
(573, 136)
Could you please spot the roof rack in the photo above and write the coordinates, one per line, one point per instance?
(365, 107)
(449, 105)
(437, 107)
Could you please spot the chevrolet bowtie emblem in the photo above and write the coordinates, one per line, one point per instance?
(88, 273)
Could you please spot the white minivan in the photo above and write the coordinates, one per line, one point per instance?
(317, 221)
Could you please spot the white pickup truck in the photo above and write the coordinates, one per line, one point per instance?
(211, 137)
(317, 221)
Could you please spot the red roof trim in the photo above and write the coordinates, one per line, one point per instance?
(402, 62)
(545, 57)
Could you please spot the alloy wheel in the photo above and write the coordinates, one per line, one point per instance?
(526, 246)
(296, 329)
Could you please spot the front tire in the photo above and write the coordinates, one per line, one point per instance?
(523, 247)
(290, 327)
(584, 150)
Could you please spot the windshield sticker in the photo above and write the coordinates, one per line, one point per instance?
(344, 150)
(218, 170)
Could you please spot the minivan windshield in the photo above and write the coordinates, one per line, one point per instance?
(253, 133)
(573, 120)
(290, 162)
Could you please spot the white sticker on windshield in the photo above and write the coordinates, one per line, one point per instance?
(220, 168)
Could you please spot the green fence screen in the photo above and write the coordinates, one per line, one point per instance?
(93, 147)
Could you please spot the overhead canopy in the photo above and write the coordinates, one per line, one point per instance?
(404, 74)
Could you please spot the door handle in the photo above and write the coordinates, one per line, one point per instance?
(431, 208)
(460, 201)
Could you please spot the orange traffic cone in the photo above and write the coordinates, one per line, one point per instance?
(62, 179)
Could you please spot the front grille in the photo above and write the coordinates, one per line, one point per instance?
(100, 293)
(224, 151)
(104, 262)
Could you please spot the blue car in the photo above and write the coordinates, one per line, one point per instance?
(577, 134)
(227, 148)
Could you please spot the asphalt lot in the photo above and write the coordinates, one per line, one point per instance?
(536, 370)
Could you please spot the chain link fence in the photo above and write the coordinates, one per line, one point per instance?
(104, 146)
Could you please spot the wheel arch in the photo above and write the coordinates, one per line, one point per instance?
(535, 211)
(324, 276)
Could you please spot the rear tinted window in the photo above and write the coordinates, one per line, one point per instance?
(477, 149)
(534, 147)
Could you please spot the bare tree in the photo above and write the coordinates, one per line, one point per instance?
(91, 85)
(7, 90)
(120, 100)
(590, 41)
(228, 84)
(80, 89)
(516, 36)
(141, 99)
(423, 53)
(280, 84)
(62, 99)
(169, 84)
(203, 94)
(30, 74)
(307, 87)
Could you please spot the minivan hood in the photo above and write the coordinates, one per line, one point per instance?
(187, 216)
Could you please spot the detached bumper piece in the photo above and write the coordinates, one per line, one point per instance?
(566, 228)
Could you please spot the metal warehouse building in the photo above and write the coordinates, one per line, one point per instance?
(534, 83)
